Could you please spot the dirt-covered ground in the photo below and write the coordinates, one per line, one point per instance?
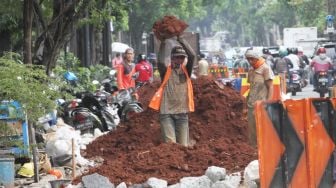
(135, 151)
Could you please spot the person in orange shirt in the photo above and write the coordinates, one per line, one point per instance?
(126, 71)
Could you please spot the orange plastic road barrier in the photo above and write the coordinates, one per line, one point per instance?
(320, 145)
(245, 88)
(214, 71)
(295, 145)
(211, 70)
(241, 70)
(296, 119)
(270, 147)
(223, 70)
(276, 88)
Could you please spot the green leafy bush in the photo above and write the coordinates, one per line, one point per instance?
(85, 75)
(29, 85)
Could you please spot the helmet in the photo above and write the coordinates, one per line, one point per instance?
(265, 51)
(321, 50)
(294, 51)
(283, 52)
(289, 50)
(142, 57)
(300, 49)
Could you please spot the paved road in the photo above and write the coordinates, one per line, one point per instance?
(307, 92)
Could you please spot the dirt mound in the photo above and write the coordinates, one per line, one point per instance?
(168, 27)
(135, 152)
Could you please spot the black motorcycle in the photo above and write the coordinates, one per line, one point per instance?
(295, 82)
(80, 117)
(126, 101)
(100, 104)
(322, 86)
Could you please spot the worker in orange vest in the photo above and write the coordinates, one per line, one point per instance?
(174, 99)
(126, 71)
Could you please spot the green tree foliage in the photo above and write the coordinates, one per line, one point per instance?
(11, 21)
(108, 10)
(67, 14)
(85, 75)
(246, 20)
(252, 20)
(56, 20)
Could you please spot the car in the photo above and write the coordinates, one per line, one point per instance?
(274, 50)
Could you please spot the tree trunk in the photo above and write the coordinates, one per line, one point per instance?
(136, 30)
(87, 42)
(266, 41)
(94, 43)
(27, 28)
(80, 45)
(106, 44)
(57, 33)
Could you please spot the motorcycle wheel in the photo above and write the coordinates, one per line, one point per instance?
(322, 94)
(293, 92)
(98, 123)
(110, 122)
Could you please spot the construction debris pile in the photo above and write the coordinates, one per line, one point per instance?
(135, 152)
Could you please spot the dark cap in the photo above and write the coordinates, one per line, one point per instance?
(178, 51)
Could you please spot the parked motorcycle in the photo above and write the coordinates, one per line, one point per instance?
(100, 104)
(110, 83)
(126, 101)
(80, 117)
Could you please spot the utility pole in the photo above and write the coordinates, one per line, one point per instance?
(330, 30)
(331, 6)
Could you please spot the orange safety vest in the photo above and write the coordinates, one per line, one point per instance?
(125, 81)
(155, 102)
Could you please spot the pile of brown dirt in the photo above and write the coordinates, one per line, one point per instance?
(168, 27)
(135, 152)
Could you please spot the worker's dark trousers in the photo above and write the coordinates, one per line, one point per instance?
(175, 128)
(252, 134)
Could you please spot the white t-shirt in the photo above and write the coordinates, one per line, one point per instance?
(203, 66)
(295, 61)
